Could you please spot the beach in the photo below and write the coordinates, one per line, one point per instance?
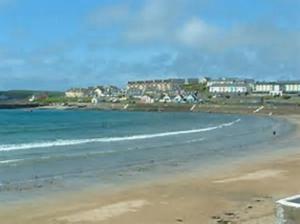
(149, 112)
(241, 192)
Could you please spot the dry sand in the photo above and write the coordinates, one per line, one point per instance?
(245, 194)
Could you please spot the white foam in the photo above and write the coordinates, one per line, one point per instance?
(11, 161)
(195, 140)
(24, 146)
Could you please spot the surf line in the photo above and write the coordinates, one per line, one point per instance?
(24, 146)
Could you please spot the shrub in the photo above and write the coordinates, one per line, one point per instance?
(286, 97)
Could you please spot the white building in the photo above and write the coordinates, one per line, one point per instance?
(76, 93)
(191, 98)
(266, 87)
(229, 81)
(165, 99)
(99, 91)
(178, 99)
(146, 100)
(153, 87)
(271, 88)
(291, 87)
(94, 100)
(32, 98)
(232, 88)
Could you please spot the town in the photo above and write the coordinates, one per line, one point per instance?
(191, 90)
(174, 94)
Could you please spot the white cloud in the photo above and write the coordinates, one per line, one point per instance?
(206, 45)
(196, 32)
(127, 36)
(154, 21)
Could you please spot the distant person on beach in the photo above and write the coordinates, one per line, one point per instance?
(274, 133)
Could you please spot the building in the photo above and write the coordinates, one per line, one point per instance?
(165, 99)
(178, 99)
(204, 80)
(32, 98)
(192, 98)
(94, 100)
(231, 81)
(38, 97)
(146, 100)
(266, 87)
(232, 88)
(76, 93)
(277, 88)
(134, 92)
(154, 87)
(271, 88)
(98, 91)
(290, 87)
(222, 81)
(112, 91)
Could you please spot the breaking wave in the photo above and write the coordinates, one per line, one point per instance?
(24, 146)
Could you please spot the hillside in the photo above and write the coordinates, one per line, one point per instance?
(21, 95)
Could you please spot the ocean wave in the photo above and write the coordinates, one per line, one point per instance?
(195, 140)
(11, 161)
(56, 143)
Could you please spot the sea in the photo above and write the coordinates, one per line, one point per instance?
(51, 151)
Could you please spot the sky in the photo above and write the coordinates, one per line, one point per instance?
(56, 45)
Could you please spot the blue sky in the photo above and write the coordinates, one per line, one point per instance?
(55, 45)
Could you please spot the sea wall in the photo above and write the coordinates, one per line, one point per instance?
(288, 211)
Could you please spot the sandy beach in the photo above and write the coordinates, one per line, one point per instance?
(244, 193)
(150, 112)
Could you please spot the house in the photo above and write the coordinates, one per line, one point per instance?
(115, 100)
(38, 97)
(98, 91)
(76, 93)
(112, 91)
(230, 88)
(32, 98)
(165, 99)
(191, 98)
(134, 92)
(94, 100)
(178, 99)
(146, 99)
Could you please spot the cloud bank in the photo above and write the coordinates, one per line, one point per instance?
(163, 38)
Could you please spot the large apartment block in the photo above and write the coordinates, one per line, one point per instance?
(153, 87)
(239, 86)
(230, 86)
(234, 88)
(277, 88)
(291, 86)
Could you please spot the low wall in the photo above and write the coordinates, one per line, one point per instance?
(288, 210)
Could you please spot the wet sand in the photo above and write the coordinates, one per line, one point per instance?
(243, 194)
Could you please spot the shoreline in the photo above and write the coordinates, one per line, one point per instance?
(182, 198)
(255, 109)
